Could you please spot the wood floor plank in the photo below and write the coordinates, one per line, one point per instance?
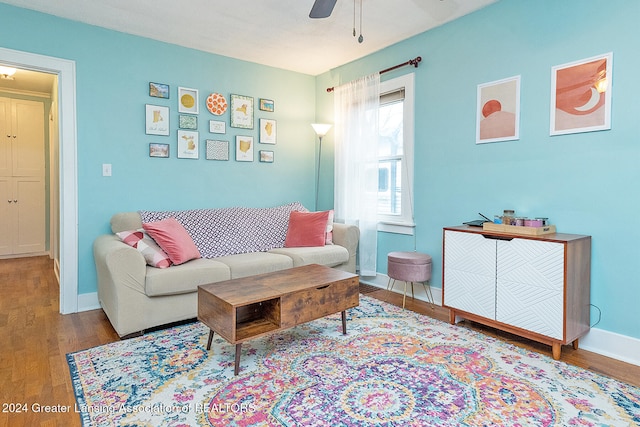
(36, 339)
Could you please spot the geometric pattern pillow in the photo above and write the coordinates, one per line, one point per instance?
(151, 252)
(329, 231)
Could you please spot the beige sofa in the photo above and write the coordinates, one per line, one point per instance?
(137, 297)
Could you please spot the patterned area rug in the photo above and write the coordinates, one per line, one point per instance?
(393, 368)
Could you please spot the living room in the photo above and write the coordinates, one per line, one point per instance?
(577, 180)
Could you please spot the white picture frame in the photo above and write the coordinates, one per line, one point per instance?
(156, 120)
(498, 111)
(188, 100)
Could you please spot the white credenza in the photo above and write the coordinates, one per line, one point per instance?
(533, 286)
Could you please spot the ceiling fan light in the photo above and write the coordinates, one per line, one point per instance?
(7, 71)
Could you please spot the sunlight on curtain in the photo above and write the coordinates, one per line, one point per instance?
(356, 163)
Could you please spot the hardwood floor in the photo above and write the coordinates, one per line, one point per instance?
(34, 376)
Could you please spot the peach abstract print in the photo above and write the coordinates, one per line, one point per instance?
(581, 96)
(498, 111)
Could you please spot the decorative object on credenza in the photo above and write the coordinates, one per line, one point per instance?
(267, 105)
(244, 148)
(217, 104)
(187, 144)
(217, 150)
(188, 100)
(321, 130)
(158, 150)
(188, 122)
(216, 126)
(498, 111)
(158, 90)
(156, 120)
(241, 111)
(266, 156)
(267, 131)
(581, 95)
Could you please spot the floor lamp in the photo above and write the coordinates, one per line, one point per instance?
(321, 130)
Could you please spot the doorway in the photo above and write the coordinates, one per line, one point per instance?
(65, 111)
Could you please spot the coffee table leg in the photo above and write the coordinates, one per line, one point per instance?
(210, 339)
(344, 323)
(238, 351)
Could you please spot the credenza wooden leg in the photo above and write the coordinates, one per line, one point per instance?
(556, 350)
(210, 339)
(344, 323)
(575, 344)
(238, 352)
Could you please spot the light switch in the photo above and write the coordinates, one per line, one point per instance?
(106, 169)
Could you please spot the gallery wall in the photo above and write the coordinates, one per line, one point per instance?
(585, 183)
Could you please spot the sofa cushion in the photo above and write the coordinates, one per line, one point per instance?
(306, 229)
(330, 255)
(183, 278)
(151, 252)
(243, 265)
(173, 239)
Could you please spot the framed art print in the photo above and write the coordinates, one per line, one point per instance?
(158, 150)
(188, 100)
(244, 148)
(186, 121)
(241, 112)
(581, 95)
(187, 144)
(267, 105)
(216, 126)
(267, 131)
(266, 156)
(158, 90)
(156, 120)
(217, 150)
(498, 111)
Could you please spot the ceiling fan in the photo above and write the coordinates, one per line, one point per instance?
(322, 8)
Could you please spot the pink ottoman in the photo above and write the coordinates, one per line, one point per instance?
(409, 267)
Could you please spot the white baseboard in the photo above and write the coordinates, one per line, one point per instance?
(88, 302)
(605, 343)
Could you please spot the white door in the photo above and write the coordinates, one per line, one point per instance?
(530, 283)
(469, 273)
(29, 209)
(6, 226)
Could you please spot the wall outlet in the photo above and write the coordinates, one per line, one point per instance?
(106, 169)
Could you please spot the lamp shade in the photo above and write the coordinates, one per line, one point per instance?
(321, 129)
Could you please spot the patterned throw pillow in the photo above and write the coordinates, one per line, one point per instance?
(151, 252)
(329, 231)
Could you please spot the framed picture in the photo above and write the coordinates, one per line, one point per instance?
(266, 156)
(188, 100)
(158, 90)
(581, 95)
(241, 112)
(267, 105)
(187, 144)
(216, 126)
(267, 131)
(217, 150)
(158, 150)
(244, 148)
(498, 111)
(156, 120)
(188, 122)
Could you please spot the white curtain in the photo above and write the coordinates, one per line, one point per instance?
(356, 163)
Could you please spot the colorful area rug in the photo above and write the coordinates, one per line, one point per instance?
(393, 368)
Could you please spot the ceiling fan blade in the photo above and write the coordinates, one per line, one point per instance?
(322, 8)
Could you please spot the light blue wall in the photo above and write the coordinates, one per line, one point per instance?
(113, 73)
(585, 183)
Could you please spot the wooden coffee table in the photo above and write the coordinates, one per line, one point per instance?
(246, 308)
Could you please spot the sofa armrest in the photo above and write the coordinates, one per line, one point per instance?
(348, 237)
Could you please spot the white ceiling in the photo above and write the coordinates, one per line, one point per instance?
(277, 33)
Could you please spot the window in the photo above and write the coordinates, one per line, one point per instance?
(395, 155)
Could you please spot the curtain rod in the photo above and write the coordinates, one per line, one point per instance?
(413, 62)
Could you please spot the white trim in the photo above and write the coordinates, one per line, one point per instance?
(66, 71)
(88, 302)
(605, 343)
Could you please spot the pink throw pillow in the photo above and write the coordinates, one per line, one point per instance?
(151, 252)
(306, 229)
(173, 239)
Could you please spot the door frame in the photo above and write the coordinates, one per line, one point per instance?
(68, 192)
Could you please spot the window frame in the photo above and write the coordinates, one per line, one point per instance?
(403, 224)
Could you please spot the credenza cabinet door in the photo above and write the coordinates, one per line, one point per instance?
(530, 284)
(470, 273)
